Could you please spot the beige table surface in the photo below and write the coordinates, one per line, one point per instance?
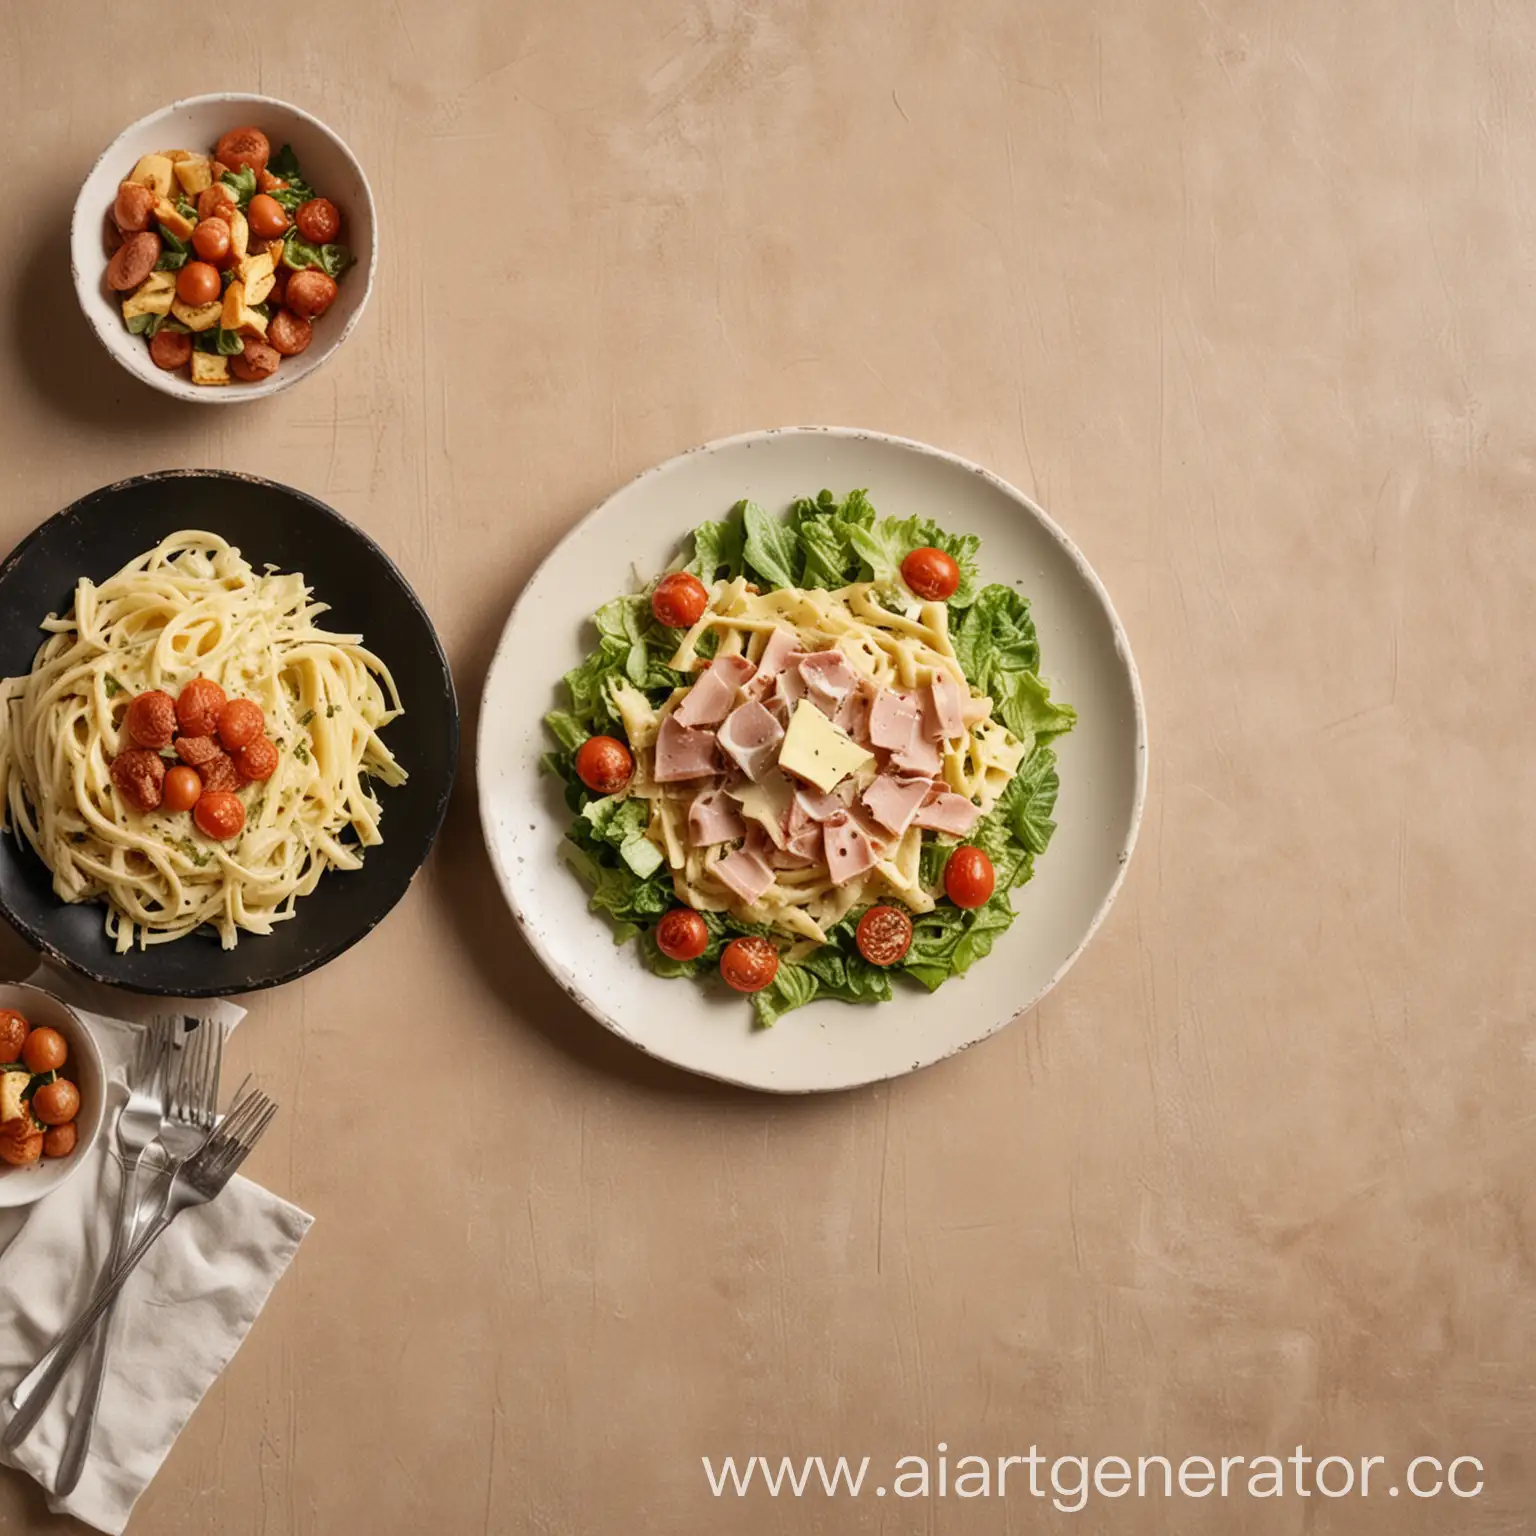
(1243, 293)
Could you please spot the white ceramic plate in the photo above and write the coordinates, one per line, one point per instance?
(827, 1045)
(197, 123)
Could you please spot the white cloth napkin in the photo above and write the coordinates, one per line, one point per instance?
(183, 1313)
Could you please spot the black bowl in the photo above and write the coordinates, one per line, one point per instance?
(273, 524)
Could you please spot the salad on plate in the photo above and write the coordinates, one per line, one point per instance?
(814, 760)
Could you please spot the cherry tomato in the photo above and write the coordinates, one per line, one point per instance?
(220, 815)
(244, 147)
(932, 574)
(969, 877)
(212, 241)
(198, 708)
(133, 207)
(289, 334)
(884, 935)
(604, 765)
(13, 1034)
(258, 762)
(749, 964)
(170, 350)
(151, 719)
(59, 1140)
(267, 182)
(319, 220)
(198, 751)
(138, 775)
(216, 202)
(259, 361)
(682, 934)
(679, 600)
(309, 293)
(240, 723)
(134, 260)
(183, 789)
(56, 1103)
(266, 216)
(45, 1050)
(20, 1142)
(198, 283)
(219, 774)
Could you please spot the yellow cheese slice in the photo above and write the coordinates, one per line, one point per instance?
(817, 751)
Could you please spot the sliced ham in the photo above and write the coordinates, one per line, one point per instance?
(767, 806)
(713, 818)
(892, 720)
(791, 686)
(919, 756)
(746, 873)
(816, 806)
(852, 717)
(776, 653)
(682, 753)
(948, 706)
(710, 699)
(849, 851)
(893, 801)
(828, 679)
(750, 737)
(949, 812)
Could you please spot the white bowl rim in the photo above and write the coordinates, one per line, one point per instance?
(166, 385)
(1085, 570)
(77, 1157)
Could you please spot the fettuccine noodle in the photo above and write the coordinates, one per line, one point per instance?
(194, 607)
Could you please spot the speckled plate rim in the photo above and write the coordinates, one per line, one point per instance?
(571, 984)
(314, 962)
(282, 379)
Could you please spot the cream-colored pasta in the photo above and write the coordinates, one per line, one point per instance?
(194, 607)
(895, 650)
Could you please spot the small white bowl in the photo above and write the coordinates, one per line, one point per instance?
(197, 123)
(23, 1186)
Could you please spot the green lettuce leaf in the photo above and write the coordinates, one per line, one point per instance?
(771, 546)
(718, 549)
(630, 902)
(885, 545)
(792, 987)
(997, 646)
(620, 821)
(242, 183)
(948, 941)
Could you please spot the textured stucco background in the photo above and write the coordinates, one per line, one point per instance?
(1243, 293)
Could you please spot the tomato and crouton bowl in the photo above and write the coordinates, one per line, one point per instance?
(224, 247)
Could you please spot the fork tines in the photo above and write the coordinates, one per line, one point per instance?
(237, 1133)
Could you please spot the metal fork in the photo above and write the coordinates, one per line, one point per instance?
(196, 1182)
(189, 1105)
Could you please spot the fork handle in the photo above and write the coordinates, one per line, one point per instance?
(78, 1446)
(68, 1344)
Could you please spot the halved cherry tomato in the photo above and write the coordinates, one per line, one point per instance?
(932, 574)
(604, 764)
(969, 877)
(183, 789)
(884, 935)
(44, 1050)
(749, 964)
(258, 762)
(319, 220)
(211, 240)
(240, 723)
(198, 707)
(682, 934)
(198, 283)
(266, 216)
(244, 146)
(220, 814)
(679, 600)
(151, 718)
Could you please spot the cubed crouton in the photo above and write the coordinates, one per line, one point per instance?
(209, 368)
(12, 1086)
(239, 234)
(202, 317)
(195, 174)
(154, 296)
(238, 315)
(257, 273)
(174, 220)
(154, 171)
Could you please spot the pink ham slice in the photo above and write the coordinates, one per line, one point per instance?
(682, 753)
(745, 873)
(709, 700)
(775, 657)
(893, 802)
(828, 679)
(813, 805)
(852, 717)
(892, 720)
(713, 818)
(920, 755)
(849, 851)
(948, 812)
(948, 703)
(750, 737)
